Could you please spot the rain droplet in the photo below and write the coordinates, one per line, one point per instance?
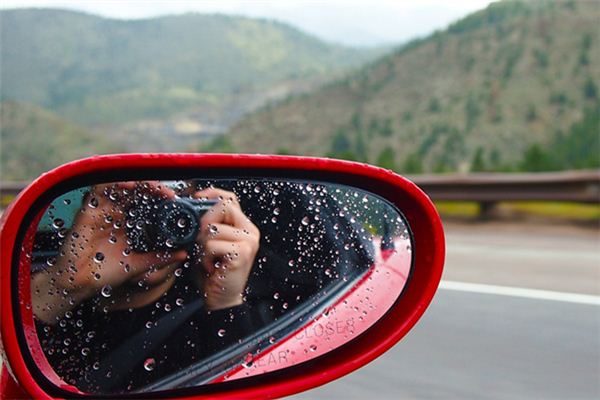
(313, 347)
(276, 211)
(179, 302)
(178, 272)
(93, 203)
(99, 257)
(276, 295)
(181, 222)
(167, 307)
(149, 364)
(213, 229)
(247, 363)
(221, 332)
(106, 291)
(58, 223)
(305, 221)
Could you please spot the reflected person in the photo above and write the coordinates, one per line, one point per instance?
(96, 273)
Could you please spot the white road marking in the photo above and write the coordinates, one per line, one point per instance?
(521, 292)
(494, 251)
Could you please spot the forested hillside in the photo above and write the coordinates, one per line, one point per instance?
(35, 141)
(512, 87)
(94, 70)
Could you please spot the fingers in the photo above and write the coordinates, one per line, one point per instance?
(220, 194)
(227, 211)
(219, 254)
(140, 263)
(220, 231)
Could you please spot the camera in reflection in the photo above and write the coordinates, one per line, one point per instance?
(165, 224)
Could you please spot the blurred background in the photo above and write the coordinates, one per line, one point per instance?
(493, 108)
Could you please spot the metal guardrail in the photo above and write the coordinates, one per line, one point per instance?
(572, 186)
(484, 188)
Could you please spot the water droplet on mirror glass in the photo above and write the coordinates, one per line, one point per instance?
(221, 332)
(106, 291)
(85, 351)
(305, 221)
(99, 257)
(313, 348)
(93, 203)
(179, 302)
(149, 364)
(181, 222)
(58, 223)
(276, 295)
(247, 363)
(213, 229)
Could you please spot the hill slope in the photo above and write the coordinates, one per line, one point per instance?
(103, 71)
(33, 140)
(504, 87)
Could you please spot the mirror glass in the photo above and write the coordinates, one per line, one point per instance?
(152, 285)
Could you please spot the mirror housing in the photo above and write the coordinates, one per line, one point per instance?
(428, 259)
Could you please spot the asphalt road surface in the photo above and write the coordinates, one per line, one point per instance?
(498, 345)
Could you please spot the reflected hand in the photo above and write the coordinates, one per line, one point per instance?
(230, 242)
(96, 256)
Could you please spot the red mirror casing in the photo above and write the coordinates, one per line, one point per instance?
(428, 258)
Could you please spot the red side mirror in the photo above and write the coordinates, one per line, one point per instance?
(221, 276)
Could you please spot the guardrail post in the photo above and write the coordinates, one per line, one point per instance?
(487, 210)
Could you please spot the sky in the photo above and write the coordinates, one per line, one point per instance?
(349, 22)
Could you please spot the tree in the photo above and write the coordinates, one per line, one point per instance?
(340, 142)
(478, 163)
(590, 90)
(221, 144)
(412, 164)
(386, 158)
(537, 160)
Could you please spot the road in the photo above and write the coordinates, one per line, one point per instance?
(473, 345)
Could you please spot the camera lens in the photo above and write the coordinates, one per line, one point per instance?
(178, 223)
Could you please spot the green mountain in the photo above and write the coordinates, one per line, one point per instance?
(94, 70)
(33, 141)
(514, 86)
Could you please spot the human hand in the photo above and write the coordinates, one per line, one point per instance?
(95, 256)
(230, 242)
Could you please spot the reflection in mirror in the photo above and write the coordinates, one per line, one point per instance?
(144, 286)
